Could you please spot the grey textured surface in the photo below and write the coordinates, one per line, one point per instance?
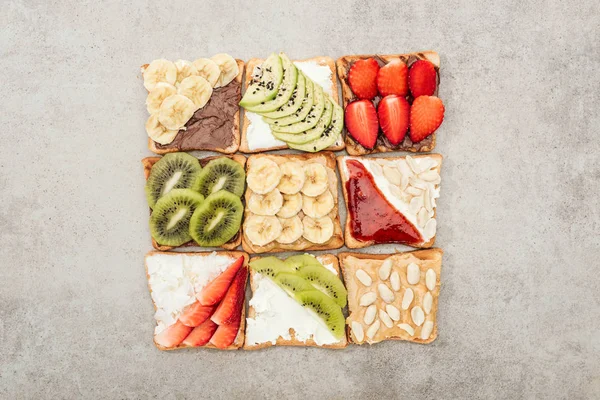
(518, 219)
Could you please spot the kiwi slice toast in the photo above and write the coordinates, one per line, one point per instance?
(170, 219)
(172, 171)
(325, 308)
(292, 283)
(269, 266)
(326, 281)
(217, 219)
(302, 260)
(222, 174)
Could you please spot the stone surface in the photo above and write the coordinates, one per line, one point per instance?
(519, 311)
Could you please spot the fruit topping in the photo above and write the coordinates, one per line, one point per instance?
(217, 220)
(173, 335)
(170, 219)
(195, 314)
(230, 309)
(263, 175)
(317, 231)
(326, 281)
(269, 266)
(173, 171)
(292, 283)
(229, 69)
(393, 112)
(422, 78)
(317, 179)
(325, 308)
(201, 334)
(214, 292)
(291, 230)
(159, 71)
(208, 69)
(261, 229)
(426, 115)
(225, 335)
(362, 78)
(197, 89)
(266, 86)
(362, 123)
(392, 78)
(222, 173)
(302, 260)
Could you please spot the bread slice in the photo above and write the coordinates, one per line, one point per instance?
(343, 67)
(148, 162)
(324, 259)
(370, 263)
(250, 65)
(235, 131)
(239, 339)
(335, 242)
(349, 240)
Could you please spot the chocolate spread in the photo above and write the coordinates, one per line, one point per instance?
(211, 127)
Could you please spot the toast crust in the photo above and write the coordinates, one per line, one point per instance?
(343, 67)
(349, 240)
(335, 242)
(250, 67)
(148, 162)
(325, 258)
(239, 339)
(235, 129)
(429, 255)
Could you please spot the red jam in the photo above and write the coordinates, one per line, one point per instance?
(372, 217)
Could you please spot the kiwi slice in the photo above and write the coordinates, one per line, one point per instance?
(173, 171)
(326, 281)
(269, 266)
(217, 220)
(292, 283)
(222, 174)
(302, 260)
(170, 219)
(325, 308)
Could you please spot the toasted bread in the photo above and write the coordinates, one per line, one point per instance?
(343, 67)
(325, 259)
(148, 162)
(244, 148)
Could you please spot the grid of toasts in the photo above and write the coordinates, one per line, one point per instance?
(275, 203)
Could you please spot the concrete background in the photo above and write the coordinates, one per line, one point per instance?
(519, 311)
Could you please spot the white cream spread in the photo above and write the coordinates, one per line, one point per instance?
(175, 279)
(258, 133)
(276, 312)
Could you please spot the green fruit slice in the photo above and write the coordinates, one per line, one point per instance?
(326, 281)
(266, 86)
(170, 219)
(301, 113)
(222, 173)
(294, 103)
(292, 283)
(217, 219)
(172, 171)
(269, 266)
(325, 308)
(286, 89)
(311, 119)
(328, 137)
(311, 134)
(302, 260)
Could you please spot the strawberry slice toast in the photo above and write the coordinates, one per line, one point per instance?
(199, 298)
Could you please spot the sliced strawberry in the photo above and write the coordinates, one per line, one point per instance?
(422, 78)
(392, 78)
(426, 115)
(225, 335)
(230, 308)
(362, 78)
(173, 335)
(393, 112)
(195, 314)
(361, 122)
(201, 334)
(216, 289)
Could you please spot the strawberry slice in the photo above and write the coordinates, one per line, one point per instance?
(392, 78)
(362, 78)
(216, 289)
(225, 335)
(422, 78)
(230, 308)
(201, 334)
(426, 115)
(393, 114)
(195, 314)
(361, 122)
(173, 335)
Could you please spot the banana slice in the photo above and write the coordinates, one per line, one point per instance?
(228, 66)
(292, 177)
(292, 204)
(208, 69)
(316, 179)
(265, 204)
(161, 91)
(263, 175)
(159, 71)
(157, 132)
(184, 69)
(197, 89)
(317, 207)
(262, 230)
(175, 111)
(317, 230)
(291, 230)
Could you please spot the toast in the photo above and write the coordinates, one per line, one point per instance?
(235, 130)
(336, 241)
(239, 340)
(292, 341)
(250, 65)
(349, 239)
(371, 263)
(382, 146)
(148, 162)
